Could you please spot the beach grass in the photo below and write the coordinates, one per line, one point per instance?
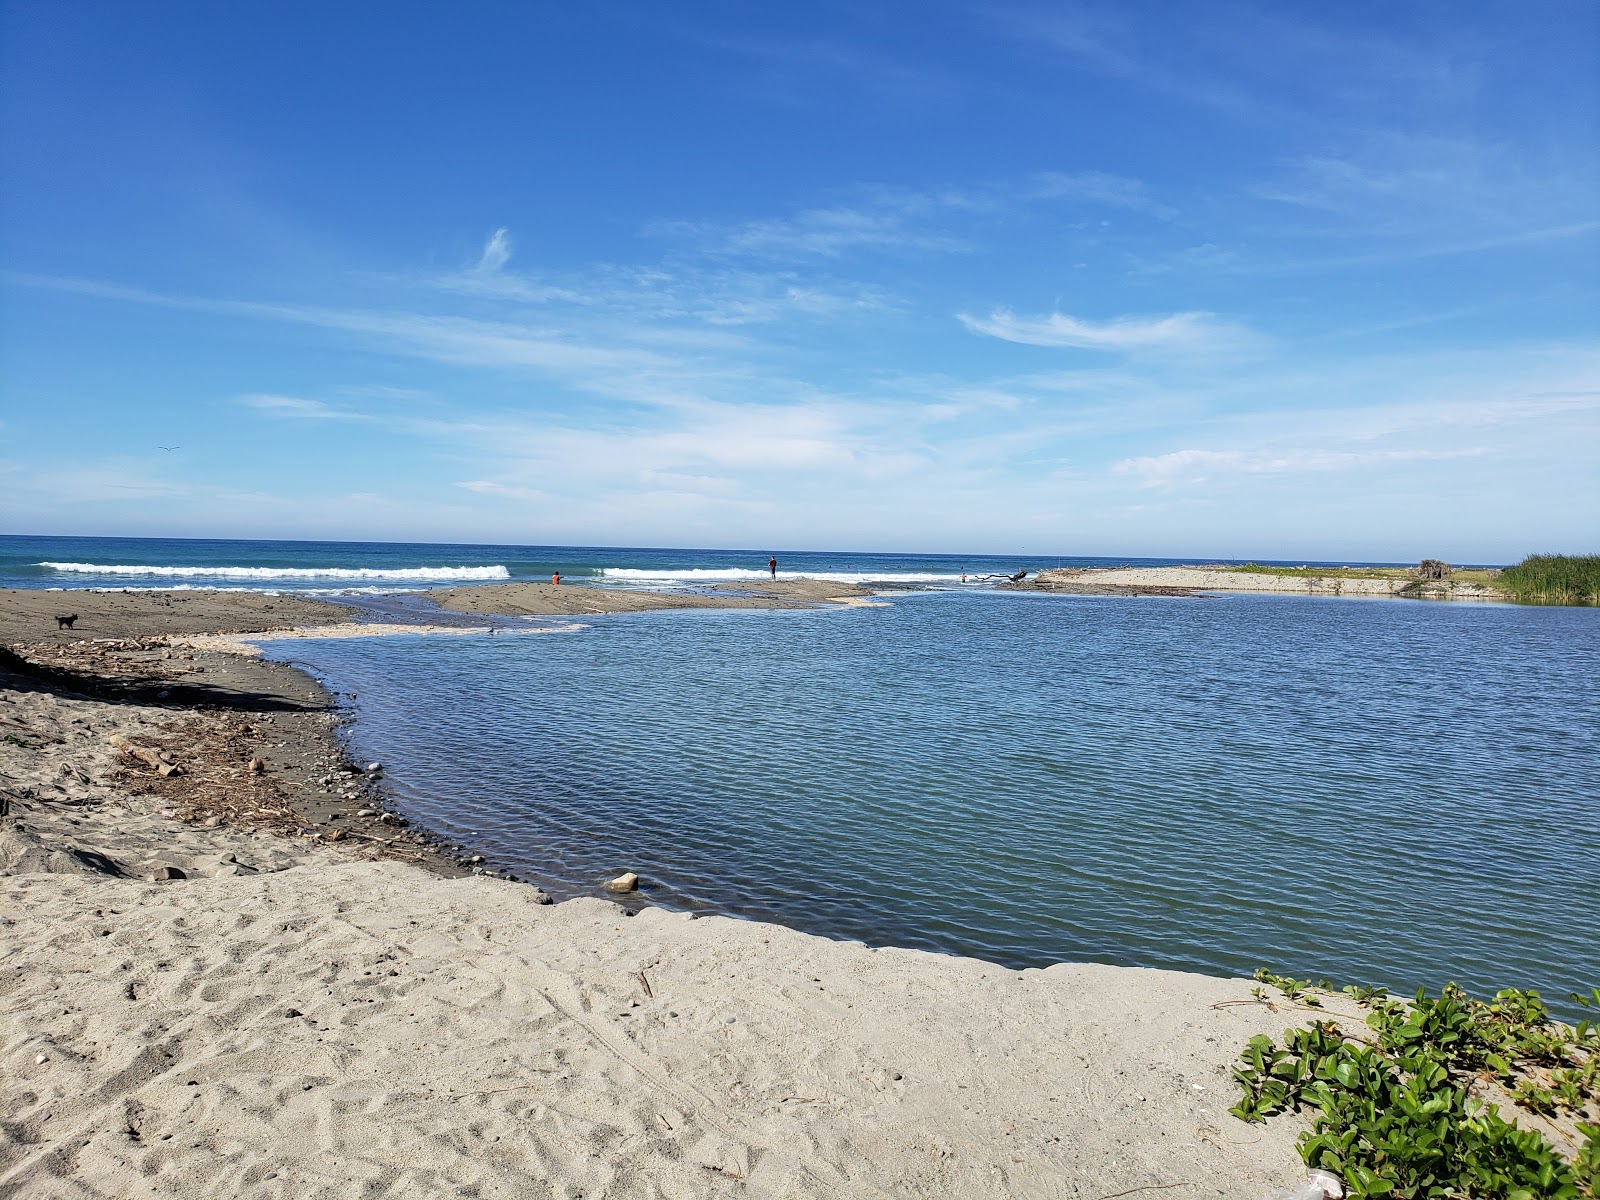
(1554, 579)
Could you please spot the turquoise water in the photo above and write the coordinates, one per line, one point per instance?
(1383, 791)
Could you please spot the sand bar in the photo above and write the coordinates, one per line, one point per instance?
(549, 600)
(292, 1018)
(1178, 581)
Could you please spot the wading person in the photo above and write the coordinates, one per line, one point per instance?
(772, 565)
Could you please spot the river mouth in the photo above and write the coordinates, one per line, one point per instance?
(1359, 791)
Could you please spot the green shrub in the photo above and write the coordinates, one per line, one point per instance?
(1395, 1114)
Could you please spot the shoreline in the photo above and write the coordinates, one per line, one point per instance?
(1198, 580)
(133, 658)
(302, 1003)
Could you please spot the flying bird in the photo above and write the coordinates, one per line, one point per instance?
(169, 447)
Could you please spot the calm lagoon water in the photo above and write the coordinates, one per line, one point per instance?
(1379, 791)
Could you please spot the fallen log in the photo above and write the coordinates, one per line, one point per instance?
(158, 761)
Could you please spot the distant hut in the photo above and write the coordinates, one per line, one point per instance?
(1432, 568)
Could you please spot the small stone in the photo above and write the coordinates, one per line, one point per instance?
(334, 835)
(628, 881)
(371, 767)
(41, 1059)
(476, 858)
(293, 1012)
(163, 873)
(540, 896)
(365, 812)
(258, 766)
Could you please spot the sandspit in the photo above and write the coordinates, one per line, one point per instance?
(551, 600)
(227, 1005)
(1181, 581)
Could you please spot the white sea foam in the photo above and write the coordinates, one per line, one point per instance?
(407, 573)
(738, 574)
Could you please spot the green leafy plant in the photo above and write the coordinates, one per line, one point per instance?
(1397, 1109)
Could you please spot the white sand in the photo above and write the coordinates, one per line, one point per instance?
(452, 1038)
(1201, 578)
(249, 643)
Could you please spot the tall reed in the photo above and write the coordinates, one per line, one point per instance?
(1554, 579)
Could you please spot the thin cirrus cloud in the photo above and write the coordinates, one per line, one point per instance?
(1185, 331)
(297, 408)
(1201, 466)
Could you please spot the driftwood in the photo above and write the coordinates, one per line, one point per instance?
(1017, 578)
(158, 761)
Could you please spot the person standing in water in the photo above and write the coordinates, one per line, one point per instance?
(772, 565)
(556, 579)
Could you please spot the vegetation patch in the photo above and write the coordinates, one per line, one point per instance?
(1406, 1107)
(1554, 579)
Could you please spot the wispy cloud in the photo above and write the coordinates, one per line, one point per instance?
(296, 408)
(1095, 187)
(1188, 331)
(821, 233)
(1201, 466)
(933, 220)
(488, 277)
(496, 253)
(486, 487)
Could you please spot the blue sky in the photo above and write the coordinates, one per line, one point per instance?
(1286, 281)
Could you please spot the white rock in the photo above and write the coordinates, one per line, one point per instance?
(628, 881)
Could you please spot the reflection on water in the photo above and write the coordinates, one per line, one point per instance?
(1379, 791)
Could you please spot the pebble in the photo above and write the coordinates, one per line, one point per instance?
(628, 881)
(40, 1059)
(166, 872)
(365, 812)
(540, 896)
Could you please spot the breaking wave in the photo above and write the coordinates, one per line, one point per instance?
(402, 573)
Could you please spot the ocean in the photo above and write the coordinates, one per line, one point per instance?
(1376, 791)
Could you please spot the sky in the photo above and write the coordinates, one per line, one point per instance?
(1286, 281)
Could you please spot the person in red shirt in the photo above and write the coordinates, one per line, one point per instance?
(772, 565)
(556, 579)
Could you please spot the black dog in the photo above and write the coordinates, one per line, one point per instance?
(66, 622)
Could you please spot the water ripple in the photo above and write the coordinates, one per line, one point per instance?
(1400, 793)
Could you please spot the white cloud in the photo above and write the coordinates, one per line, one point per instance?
(1187, 331)
(1098, 187)
(825, 233)
(496, 252)
(486, 487)
(1200, 466)
(296, 408)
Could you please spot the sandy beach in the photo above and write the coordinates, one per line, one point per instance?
(1189, 581)
(215, 985)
